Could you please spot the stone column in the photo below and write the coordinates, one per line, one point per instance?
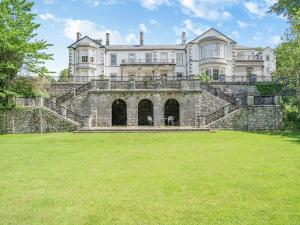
(63, 111)
(39, 101)
(158, 111)
(132, 111)
(250, 100)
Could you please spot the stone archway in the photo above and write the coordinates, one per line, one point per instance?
(119, 113)
(145, 113)
(172, 112)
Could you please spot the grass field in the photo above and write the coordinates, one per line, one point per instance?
(142, 178)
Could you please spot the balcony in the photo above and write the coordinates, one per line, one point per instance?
(249, 58)
(146, 62)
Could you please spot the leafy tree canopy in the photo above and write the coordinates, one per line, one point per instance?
(20, 51)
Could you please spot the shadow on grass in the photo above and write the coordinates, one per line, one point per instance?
(292, 136)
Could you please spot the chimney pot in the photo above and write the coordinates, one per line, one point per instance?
(141, 38)
(78, 36)
(107, 38)
(183, 38)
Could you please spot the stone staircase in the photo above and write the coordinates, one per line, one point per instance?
(218, 93)
(204, 121)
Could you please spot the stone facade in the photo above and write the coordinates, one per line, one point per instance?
(33, 120)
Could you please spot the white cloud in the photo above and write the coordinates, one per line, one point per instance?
(49, 1)
(275, 40)
(242, 24)
(208, 9)
(143, 28)
(93, 2)
(255, 9)
(190, 28)
(131, 38)
(154, 22)
(153, 4)
(49, 16)
(89, 28)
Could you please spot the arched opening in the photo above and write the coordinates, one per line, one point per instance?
(119, 113)
(145, 113)
(172, 116)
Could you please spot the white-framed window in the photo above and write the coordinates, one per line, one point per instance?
(91, 59)
(113, 59)
(179, 59)
(131, 57)
(164, 57)
(84, 58)
(212, 50)
(148, 57)
(267, 58)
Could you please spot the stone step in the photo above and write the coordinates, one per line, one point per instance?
(139, 129)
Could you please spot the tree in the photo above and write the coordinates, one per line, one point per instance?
(288, 52)
(63, 75)
(20, 51)
(289, 9)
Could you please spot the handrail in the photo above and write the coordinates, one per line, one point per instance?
(220, 113)
(69, 95)
(217, 92)
(69, 113)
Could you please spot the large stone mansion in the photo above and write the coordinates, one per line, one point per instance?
(212, 53)
(157, 87)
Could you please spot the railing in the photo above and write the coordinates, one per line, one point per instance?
(217, 92)
(264, 100)
(71, 94)
(220, 113)
(222, 78)
(64, 111)
(147, 61)
(250, 58)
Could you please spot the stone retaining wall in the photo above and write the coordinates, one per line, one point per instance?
(265, 117)
(33, 120)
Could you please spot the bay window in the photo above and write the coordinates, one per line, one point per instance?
(212, 50)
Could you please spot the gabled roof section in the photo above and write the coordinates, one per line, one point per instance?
(72, 45)
(211, 29)
(267, 48)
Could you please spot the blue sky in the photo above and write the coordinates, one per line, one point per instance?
(162, 21)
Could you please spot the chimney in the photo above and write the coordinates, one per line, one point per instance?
(107, 38)
(141, 38)
(78, 36)
(183, 38)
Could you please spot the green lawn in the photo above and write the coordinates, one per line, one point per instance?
(150, 178)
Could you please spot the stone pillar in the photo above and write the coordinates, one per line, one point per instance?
(87, 122)
(201, 121)
(278, 100)
(63, 111)
(94, 84)
(132, 111)
(11, 100)
(158, 111)
(39, 101)
(226, 110)
(250, 100)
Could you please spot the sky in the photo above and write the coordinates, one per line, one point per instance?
(162, 21)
